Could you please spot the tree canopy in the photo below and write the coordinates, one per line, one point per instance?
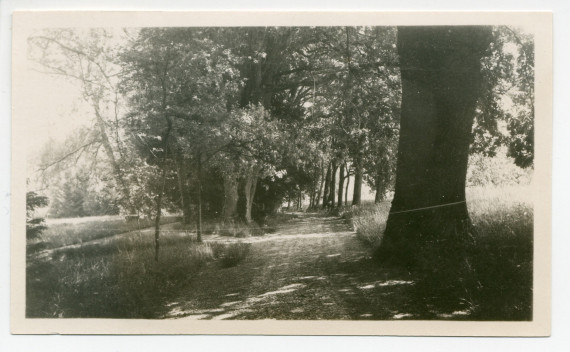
(232, 122)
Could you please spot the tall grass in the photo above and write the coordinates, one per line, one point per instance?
(119, 279)
(60, 233)
(502, 258)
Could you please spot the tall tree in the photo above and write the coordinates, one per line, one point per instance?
(86, 58)
(441, 82)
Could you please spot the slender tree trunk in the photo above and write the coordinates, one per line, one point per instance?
(356, 194)
(321, 184)
(184, 191)
(250, 186)
(229, 209)
(332, 188)
(347, 184)
(159, 213)
(428, 226)
(340, 185)
(199, 198)
(327, 186)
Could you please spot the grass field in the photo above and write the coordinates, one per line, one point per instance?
(65, 232)
(119, 278)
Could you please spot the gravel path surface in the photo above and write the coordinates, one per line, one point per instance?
(313, 267)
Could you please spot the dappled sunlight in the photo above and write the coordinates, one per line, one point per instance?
(385, 283)
(402, 315)
(458, 313)
(284, 289)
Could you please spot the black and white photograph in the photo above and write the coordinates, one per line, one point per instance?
(304, 173)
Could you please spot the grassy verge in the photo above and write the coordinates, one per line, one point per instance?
(67, 233)
(120, 279)
(502, 258)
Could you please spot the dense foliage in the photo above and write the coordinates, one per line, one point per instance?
(232, 122)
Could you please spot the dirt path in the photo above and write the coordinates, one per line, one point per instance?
(313, 267)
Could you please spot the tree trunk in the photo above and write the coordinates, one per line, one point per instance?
(332, 188)
(327, 186)
(199, 198)
(347, 184)
(379, 189)
(250, 185)
(340, 185)
(183, 190)
(159, 213)
(117, 172)
(356, 194)
(428, 226)
(229, 210)
(321, 184)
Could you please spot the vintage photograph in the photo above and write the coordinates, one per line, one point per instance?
(336, 172)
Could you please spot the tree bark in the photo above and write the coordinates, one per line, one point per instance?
(428, 222)
(321, 184)
(347, 184)
(199, 199)
(184, 191)
(340, 185)
(159, 213)
(379, 189)
(327, 186)
(250, 186)
(332, 188)
(356, 194)
(229, 210)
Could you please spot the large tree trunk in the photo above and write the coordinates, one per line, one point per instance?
(229, 210)
(428, 224)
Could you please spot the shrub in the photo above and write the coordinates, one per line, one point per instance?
(233, 254)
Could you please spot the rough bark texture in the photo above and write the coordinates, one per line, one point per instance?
(441, 75)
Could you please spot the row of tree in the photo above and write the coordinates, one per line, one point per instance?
(230, 122)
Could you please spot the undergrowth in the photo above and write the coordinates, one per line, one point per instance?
(501, 259)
